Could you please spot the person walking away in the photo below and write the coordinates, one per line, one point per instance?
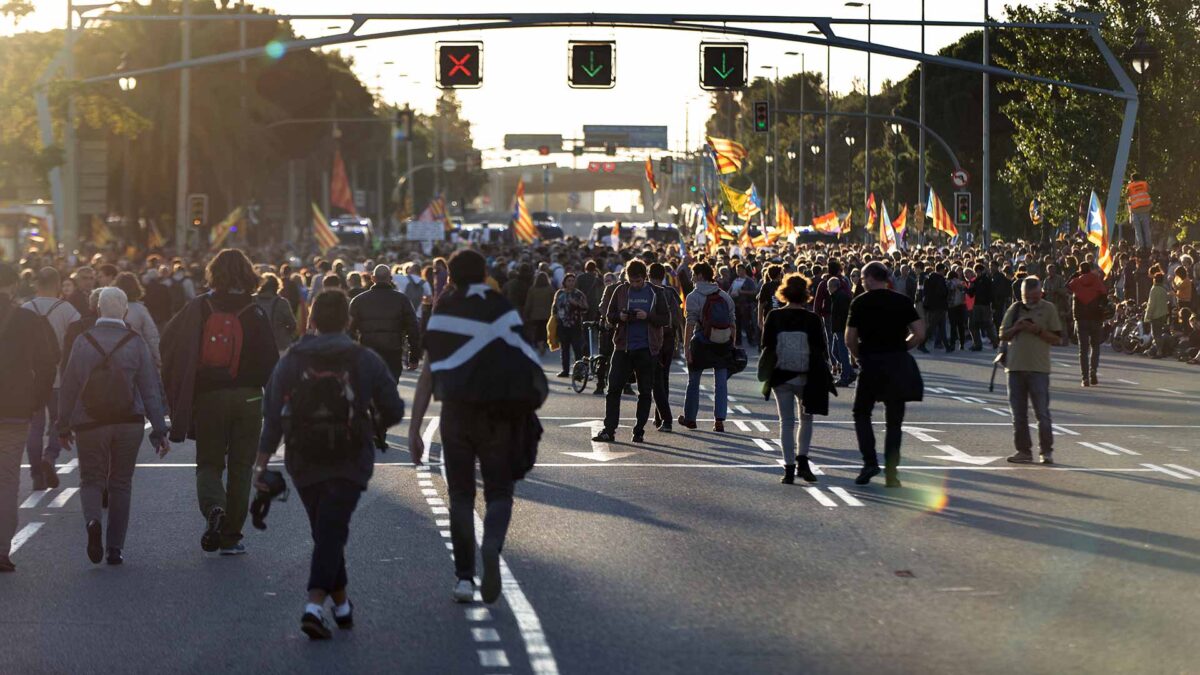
(539, 303)
(138, 317)
(671, 334)
(1055, 291)
(42, 448)
(278, 311)
(218, 353)
(708, 345)
(744, 290)
(936, 302)
(1137, 196)
(570, 306)
(384, 320)
(957, 311)
(767, 299)
(592, 286)
(27, 367)
(85, 281)
(605, 335)
(1158, 311)
(490, 392)
(981, 313)
(1030, 327)
(414, 287)
(839, 313)
(1089, 298)
(638, 312)
(158, 294)
(319, 402)
(882, 327)
(516, 290)
(110, 388)
(801, 376)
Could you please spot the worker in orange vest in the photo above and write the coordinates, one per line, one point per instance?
(1137, 195)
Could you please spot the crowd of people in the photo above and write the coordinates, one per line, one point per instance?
(240, 357)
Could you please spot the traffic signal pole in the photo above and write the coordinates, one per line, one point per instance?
(987, 135)
(185, 108)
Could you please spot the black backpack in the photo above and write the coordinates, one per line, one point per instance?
(322, 422)
(107, 396)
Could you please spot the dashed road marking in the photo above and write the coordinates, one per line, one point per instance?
(997, 411)
(759, 425)
(1169, 472)
(1171, 391)
(478, 614)
(972, 399)
(742, 426)
(63, 497)
(23, 535)
(1127, 381)
(34, 499)
(742, 409)
(493, 658)
(765, 446)
(68, 467)
(1061, 429)
(485, 635)
(850, 499)
(1184, 469)
(816, 494)
(1120, 449)
(1093, 446)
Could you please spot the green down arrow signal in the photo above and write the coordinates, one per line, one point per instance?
(592, 68)
(723, 72)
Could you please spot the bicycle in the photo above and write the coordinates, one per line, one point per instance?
(593, 365)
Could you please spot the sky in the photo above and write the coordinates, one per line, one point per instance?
(525, 70)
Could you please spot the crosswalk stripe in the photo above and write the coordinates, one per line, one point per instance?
(820, 496)
(63, 497)
(1093, 446)
(23, 536)
(34, 499)
(742, 426)
(765, 446)
(1120, 449)
(742, 409)
(846, 496)
(1185, 469)
(1167, 471)
(68, 467)
(997, 411)
(1061, 428)
(759, 425)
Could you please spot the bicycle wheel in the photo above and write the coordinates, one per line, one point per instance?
(579, 376)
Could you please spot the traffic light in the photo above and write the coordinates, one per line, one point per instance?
(666, 165)
(403, 124)
(723, 65)
(691, 188)
(460, 64)
(577, 151)
(962, 208)
(610, 149)
(592, 65)
(762, 117)
(543, 150)
(198, 210)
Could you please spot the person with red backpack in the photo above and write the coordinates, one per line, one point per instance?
(217, 354)
(708, 339)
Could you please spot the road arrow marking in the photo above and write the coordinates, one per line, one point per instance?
(592, 68)
(723, 72)
(600, 451)
(953, 454)
(922, 434)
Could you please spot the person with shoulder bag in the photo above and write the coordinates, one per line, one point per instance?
(327, 400)
(708, 340)
(56, 317)
(278, 310)
(797, 372)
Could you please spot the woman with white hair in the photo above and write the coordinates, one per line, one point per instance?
(109, 388)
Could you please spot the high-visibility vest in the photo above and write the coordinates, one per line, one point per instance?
(1139, 195)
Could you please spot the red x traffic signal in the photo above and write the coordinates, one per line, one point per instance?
(460, 64)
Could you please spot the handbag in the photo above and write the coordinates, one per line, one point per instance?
(738, 361)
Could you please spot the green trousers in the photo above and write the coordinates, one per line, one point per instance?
(228, 424)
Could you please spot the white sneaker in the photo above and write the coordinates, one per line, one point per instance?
(464, 591)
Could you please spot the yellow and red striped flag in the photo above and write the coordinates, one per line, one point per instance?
(940, 217)
(727, 154)
(340, 194)
(650, 176)
(847, 222)
(901, 222)
(522, 224)
(784, 227)
(872, 211)
(323, 234)
(1098, 224)
(828, 223)
(223, 229)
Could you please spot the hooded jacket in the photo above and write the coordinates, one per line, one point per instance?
(372, 382)
(1087, 288)
(658, 317)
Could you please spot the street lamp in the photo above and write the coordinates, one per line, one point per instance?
(896, 128)
(849, 171)
(127, 84)
(1141, 56)
(867, 121)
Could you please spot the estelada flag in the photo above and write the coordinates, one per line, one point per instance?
(887, 236)
(847, 222)
(324, 235)
(727, 154)
(939, 216)
(900, 224)
(522, 223)
(1096, 225)
(650, 176)
(827, 223)
(339, 186)
(872, 211)
(1035, 211)
(226, 227)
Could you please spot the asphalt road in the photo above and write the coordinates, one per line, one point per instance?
(685, 554)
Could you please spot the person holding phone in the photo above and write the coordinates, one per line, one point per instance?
(1030, 327)
(110, 388)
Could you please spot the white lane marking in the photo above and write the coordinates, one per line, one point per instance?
(1171, 391)
(428, 492)
(1093, 446)
(921, 433)
(742, 409)
(34, 499)
(880, 423)
(1169, 472)
(820, 496)
(997, 411)
(1127, 381)
(23, 535)
(493, 658)
(485, 635)
(936, 390)
(730, 399)
(948, 391)
(972, 399)
(68, 467)
(440, 510)
(478, 614)
(963, 399)
(445, 533)
(1062, 429)
(435, 501)
(846, 496)
(442, 522)
(1118, 448)
(63, 497)
(742, 426)
(1064, 365)
(759, 425)
(1184, 469)
(765, 446)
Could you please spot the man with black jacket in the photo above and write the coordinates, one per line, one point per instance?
(385, 320)
(27, 368)
(936, 302)
(981, 314)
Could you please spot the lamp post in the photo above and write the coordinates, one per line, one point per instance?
(867, 121)
(800, 155)
(126, 84)
(772, 138)
(792, 154)
(896, 128)
(815, 149)
(1141, 57)
(828, 53)
(849, 170)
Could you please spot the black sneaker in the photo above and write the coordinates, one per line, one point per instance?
(599, 391)
(666, 429)
(639, 437)
(114, 557)
(605, 436)
(50, 475)
(1048, 458)
(1020, 458)
(345, 622)
(1094, 381)
(95, 545)
(686, 423)
(804, 471)
(789, 474)
(210, 541)
(563, 374)
(314, 627)
(868, 472)
(489, 586)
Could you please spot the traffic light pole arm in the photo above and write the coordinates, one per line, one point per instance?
(877, 116)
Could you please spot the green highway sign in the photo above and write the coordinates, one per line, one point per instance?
(723, 65)
(591, 65)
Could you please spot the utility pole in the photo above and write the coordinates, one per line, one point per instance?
(921, 136)
(867, 135)
(800, 150)
(987, 135)
(185, 86)
(70, 225)
(828, 93)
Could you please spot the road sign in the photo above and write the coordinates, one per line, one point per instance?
(533, 141)
(625, 136)
(460, 65)
(962, 208)
(592, 65)
(198, 209)
(762, 117)
(449, 165)
(960, 178)
(723, 65)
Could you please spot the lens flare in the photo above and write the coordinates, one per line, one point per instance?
(275, 49)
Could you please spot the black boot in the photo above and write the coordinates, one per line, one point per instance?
(789, 474)
(804, 471)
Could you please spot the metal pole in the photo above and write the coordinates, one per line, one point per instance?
(181, 179)
(69, 227)
(987, 135)
(867, 135)
(778, 159)
(921, 119)
(828, 94)
(244, 197)
(801, 149)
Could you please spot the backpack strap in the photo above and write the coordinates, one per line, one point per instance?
(129, 335)
(50, 311)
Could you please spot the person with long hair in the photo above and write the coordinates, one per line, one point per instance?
(138, 317)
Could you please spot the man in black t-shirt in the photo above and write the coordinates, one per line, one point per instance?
(882, 327)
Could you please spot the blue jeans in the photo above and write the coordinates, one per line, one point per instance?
(1025, 387)
(691, 402)
(34, 449)
(842, 355)
(788, 397)
(1141, 228)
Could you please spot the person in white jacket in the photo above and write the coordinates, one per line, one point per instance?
(138, 318)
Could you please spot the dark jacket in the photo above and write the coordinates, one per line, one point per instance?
(659, 317)
(383, 319)
(181, 355)
(283, 322)
(27, 362)
(981, 290)
(1001, 291)
(818, 383)
(839, 311)
(516, 290)
(1089, 293)
(371, 381)
(937, 293)
(78, 327)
